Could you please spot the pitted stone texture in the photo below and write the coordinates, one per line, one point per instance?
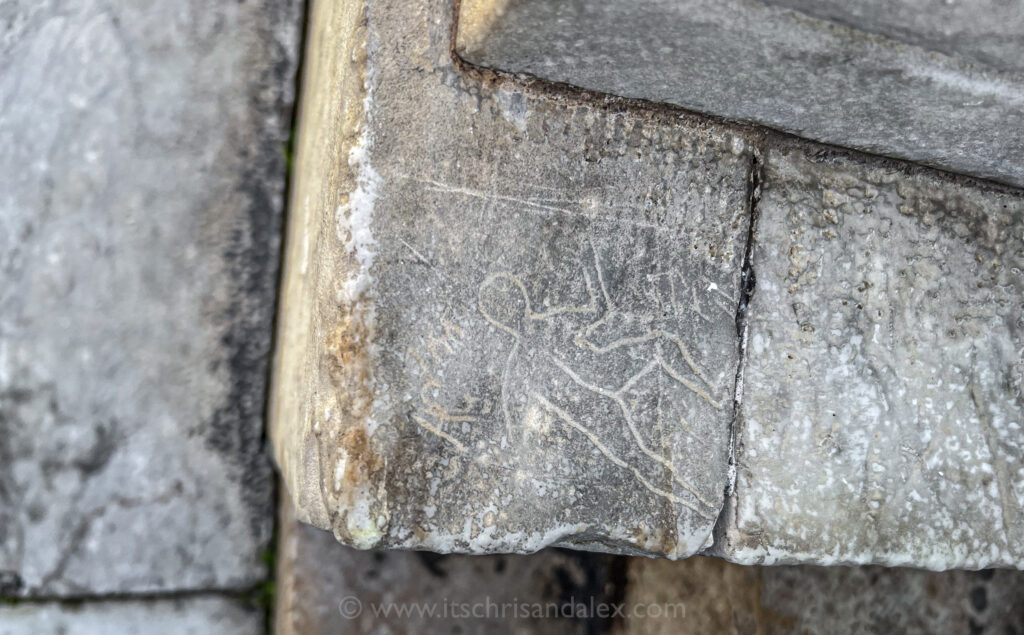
(192, 616)
(523, 310)
(882, 410)
(877, 91)
(141, 173)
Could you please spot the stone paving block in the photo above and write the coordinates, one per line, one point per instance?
(721, 597)
(189, 616)
(508, 317)
(929, 81)
(883, 402)
(325, 587)
(141, 180)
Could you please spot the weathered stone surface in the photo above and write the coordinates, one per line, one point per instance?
(509, 321)
(509, 317)
(988, 33)
(882, 403)
(141, 173)
(324, 587)
(192, 616)
(938, 86)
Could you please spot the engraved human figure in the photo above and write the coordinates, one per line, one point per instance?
(588, 365)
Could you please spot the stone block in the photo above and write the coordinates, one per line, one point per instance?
(509, 318)
(985, 33)
(882, 406)
(720, 597)
(325, 587)
(141, 179)
(924, 80)
(187, 616)
(515, 313)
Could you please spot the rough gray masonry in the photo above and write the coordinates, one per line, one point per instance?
(525, 335)
(191, 616)
(882, 402)
(931, 81)
(518, 314)
(141, 181)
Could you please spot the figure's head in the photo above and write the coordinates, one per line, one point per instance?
(503, 302)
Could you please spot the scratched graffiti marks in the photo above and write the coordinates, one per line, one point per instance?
(598, 344)
(629, 416)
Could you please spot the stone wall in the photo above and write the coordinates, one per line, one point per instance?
(142, 174)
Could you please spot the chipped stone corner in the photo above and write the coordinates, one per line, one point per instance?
(355, 494)
(323, 396)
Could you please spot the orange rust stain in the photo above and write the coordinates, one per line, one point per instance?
(347, 344)
(346, 360)
(349, 367)
(362, 460)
